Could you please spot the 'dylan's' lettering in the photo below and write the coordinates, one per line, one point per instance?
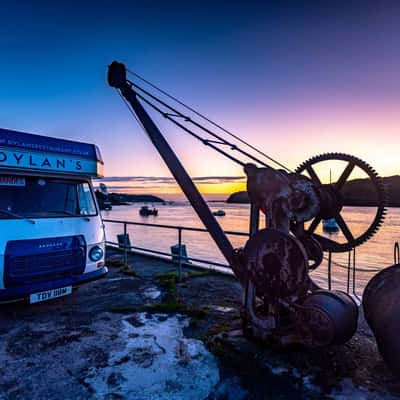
(60, 163)
(23, 160)
(18, 157)
(31, 162)
(46, 163)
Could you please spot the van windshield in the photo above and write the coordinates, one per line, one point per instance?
(41, 197)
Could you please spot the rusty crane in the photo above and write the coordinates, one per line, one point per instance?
(280, 300)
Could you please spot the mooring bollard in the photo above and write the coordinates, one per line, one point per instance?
(124, 243)
(179, 254)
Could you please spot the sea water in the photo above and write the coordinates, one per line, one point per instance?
(371, 257)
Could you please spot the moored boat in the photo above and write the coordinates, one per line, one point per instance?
(219, 213)
(145, 211)
(330, 225)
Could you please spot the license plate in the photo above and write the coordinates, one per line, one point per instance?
(50, 294)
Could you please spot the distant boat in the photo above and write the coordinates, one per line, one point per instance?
(219, 213)
(105, 205)
(330, 225)
(145, 211)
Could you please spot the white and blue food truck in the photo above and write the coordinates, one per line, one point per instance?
(51, 232)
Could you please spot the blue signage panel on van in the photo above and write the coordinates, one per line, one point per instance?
(19, 150)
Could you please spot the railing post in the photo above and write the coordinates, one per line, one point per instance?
(181, 257)
(254, 219)
(125, 245)
(180, 254)
(348, 271)
(396, 253)
(354, 275)
(329, 271)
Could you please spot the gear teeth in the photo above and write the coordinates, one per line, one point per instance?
(381, 188)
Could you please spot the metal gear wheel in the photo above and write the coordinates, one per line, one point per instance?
(336, 188)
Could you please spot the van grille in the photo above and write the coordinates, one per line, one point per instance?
(41, 260)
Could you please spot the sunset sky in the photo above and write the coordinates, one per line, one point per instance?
(293, 78)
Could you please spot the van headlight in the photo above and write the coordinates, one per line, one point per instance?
(96, 253)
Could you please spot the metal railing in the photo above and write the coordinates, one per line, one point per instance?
(179, 258)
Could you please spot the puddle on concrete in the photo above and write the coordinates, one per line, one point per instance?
(151, 293)
(118, 279)
(157, 362)
(223, 309)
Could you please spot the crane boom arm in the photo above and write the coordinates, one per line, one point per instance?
(117, 79)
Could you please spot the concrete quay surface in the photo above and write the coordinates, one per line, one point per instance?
(123, 338)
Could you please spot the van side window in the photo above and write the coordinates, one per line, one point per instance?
(85, 198)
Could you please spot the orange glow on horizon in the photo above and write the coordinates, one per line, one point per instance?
(173, 188)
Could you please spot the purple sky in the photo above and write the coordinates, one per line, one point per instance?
(294, 78)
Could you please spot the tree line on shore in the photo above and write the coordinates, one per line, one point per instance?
(357, 192)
